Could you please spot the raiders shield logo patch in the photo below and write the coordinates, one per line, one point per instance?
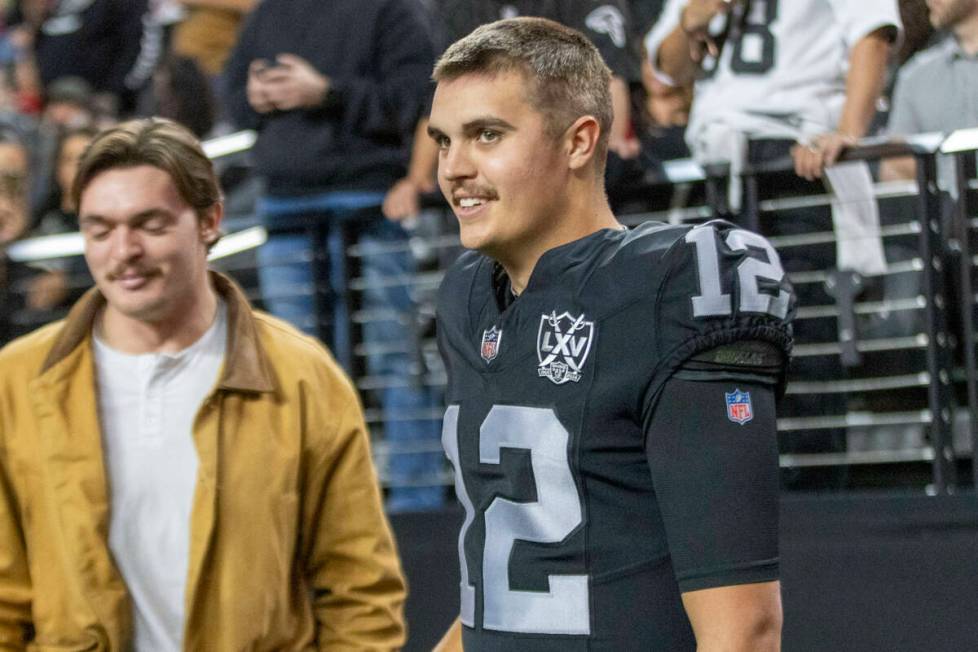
(563, 343)
(739, 409)
(491, 338)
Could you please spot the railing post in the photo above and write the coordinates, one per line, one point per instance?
(962, 230)
(751, 203)
(939, 395)
(352, 300)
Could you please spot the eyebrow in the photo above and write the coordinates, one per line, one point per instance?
(475, 126)
(135, 220)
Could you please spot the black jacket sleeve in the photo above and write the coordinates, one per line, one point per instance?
(235, 75)
(382, 98)
(131, 17)
(390, 100)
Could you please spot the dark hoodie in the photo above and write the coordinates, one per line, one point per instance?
(378, 57)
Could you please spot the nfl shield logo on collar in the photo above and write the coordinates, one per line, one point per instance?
(739, 409)
(490, 344)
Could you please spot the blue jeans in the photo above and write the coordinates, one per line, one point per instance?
(287, 273)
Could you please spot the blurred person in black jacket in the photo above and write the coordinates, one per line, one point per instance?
(96, 40)
(334, 90)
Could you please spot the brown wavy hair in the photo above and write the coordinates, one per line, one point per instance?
(158, 142)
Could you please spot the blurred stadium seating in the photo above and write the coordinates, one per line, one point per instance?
(882, 387)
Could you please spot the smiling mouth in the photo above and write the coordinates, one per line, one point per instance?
(470, 205)
(131, 280)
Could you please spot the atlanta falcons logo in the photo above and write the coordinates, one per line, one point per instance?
(607, 19)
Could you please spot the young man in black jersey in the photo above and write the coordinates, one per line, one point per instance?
(611, 393)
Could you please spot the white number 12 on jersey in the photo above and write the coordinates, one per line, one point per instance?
(712, 300)
(557, 512)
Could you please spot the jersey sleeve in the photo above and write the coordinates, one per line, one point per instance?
(714, 466)
(721, 285)
(858, 19)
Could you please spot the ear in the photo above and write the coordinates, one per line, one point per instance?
(209, 223)
(581, 140)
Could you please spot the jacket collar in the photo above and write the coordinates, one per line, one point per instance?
(246, 366)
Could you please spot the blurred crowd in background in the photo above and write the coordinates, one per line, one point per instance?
(332, 141)
(71, 67)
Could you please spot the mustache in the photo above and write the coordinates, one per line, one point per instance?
(469, 190)
(119, 271)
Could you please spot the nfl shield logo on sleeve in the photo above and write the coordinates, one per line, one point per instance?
(490, 343)
(739, 409)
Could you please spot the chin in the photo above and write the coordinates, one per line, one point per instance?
(476, 239)
(469, 241)
(147, 309)
(145, 313)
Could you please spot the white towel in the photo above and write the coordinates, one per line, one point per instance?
(856, 218)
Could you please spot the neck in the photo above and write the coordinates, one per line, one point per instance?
(966, 32)
(573, 222)
(182, 326)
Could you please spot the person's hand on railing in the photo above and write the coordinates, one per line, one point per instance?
(820, 152)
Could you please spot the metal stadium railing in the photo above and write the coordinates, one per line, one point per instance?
(882, 390)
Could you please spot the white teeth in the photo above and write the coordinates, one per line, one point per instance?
(469, 202)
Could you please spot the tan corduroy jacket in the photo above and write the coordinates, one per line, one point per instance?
(290, 549)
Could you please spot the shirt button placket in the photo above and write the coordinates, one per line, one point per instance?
(154, 400)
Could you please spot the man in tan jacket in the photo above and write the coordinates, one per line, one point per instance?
(176, 470)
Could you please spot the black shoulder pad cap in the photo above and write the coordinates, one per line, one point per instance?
(754, 360)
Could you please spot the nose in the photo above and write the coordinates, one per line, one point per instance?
(455, 164)
(126, 244)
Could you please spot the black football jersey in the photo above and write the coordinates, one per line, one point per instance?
(551, 400)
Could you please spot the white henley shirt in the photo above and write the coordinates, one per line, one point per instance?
(147, 406)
